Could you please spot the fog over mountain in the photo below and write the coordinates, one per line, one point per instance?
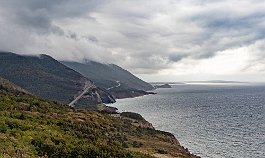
(169, 40)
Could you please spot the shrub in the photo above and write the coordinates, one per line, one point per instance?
(161, 151)
(137, 144)
(3, 128)
(125, 145)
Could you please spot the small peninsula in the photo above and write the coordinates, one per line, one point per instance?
(163, 86)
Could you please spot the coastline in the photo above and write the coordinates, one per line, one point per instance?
(176, 111)
(146, 124)
(113, 109)
(130, 94)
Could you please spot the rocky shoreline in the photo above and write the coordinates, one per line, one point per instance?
(138, 121)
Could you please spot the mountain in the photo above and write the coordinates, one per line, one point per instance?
(43, 76)
(35, 127)
(108, 72)
(119, 82)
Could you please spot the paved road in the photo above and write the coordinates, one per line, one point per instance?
(88, 85)
(119, 84)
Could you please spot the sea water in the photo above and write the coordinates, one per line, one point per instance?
(211, 120)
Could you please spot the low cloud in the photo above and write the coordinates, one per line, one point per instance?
(142, 36)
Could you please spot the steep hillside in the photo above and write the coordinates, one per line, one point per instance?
(33, 127)
(108, 75)
(42, 76)
(9, 87)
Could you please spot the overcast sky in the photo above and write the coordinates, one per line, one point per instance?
(158, 40)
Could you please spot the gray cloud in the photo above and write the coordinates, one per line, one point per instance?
(143, 36)
(72, 35)
(92, 38)
(176, 57)
(39, 15)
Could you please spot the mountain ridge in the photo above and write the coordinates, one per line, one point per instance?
(110, 72)
(119, 82)
(44, 76)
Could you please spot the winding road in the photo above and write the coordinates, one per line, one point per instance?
(119, 84)
(88, 85)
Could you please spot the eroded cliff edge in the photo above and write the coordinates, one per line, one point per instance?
(159, 144)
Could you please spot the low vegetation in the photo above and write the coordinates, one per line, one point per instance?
(33, 127)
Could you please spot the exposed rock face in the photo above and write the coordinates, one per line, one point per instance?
(163, 86)
(94, 99)
(99, 96)
(105, 96)
(96, 96)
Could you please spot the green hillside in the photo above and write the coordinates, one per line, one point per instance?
(33, 127)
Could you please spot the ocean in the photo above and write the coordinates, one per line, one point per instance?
(211, 120)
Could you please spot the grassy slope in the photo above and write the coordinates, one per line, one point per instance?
(33, 127)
